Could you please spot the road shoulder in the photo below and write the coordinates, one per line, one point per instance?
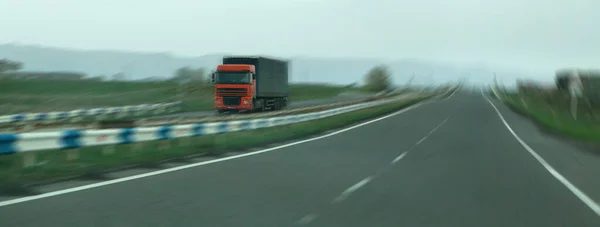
(576, 163)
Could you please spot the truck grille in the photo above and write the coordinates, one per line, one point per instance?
(232, 101)
(232, 92)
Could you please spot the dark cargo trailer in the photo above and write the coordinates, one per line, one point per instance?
(271, 74)
(249, 83)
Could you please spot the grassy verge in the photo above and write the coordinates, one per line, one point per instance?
(94, 159)
(302, 92)
(40, 95)
(557, 120)
(491, 94)
(77, 87)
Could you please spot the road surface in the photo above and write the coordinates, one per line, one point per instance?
(451, 163)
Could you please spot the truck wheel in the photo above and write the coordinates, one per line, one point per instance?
(253, 110)
(262, 105)
(280, 104)
(276, 104)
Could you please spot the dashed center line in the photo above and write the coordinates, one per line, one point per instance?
(419, 142)
(307, 219)
(352, 189)
(311, 216)
(399, 157)
(363, 182)
(437, 127)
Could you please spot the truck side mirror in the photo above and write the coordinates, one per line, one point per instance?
(213, 77)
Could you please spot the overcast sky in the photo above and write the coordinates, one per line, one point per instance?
(528, 34)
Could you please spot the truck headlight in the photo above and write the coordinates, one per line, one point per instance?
(217, 101)
(245, 101)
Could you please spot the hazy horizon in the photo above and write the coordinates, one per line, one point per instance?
(536, 35)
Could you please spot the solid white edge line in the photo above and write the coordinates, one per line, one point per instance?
(158, 172)
(580, 194)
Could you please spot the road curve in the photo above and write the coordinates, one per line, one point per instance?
(447, 163)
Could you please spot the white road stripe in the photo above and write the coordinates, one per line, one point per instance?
(420, 141)
(159, 172)
(580, 194)
(307, 219)
(352, 189)
(399, 157)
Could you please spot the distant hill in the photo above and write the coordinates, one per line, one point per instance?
(151, 66)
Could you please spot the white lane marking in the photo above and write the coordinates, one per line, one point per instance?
(400, 157)
(580, 194)
(158, 172)
(437, 127)
(454, 92)
(307, 219)
(352, 189)
(420, 141)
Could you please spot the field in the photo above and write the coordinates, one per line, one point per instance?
(551, 110)
(19, 96)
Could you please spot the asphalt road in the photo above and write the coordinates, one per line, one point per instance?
(446, 163)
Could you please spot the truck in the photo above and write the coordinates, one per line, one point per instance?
(250, 84)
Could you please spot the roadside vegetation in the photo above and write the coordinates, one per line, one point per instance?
(550, 107)
(51, 165)
(92, 161)
(63, 91)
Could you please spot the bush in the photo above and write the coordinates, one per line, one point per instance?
(378, 79)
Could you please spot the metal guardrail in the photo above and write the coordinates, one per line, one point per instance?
(70, 139)
(77, 123)
(12, 142)
(167, 120)
(64, 115)
(29, 143)
(217, 118)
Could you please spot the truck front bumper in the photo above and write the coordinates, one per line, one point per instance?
(245, 103)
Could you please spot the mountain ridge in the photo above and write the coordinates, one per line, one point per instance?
(143, 65)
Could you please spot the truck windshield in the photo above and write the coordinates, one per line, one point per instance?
(232, 78)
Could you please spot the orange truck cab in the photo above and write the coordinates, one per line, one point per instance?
(250, 84)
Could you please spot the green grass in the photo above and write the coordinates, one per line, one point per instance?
(18, 96)
(59, 95)
(300, 92)
(76, 87)
(93, 159)
(559, 120)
